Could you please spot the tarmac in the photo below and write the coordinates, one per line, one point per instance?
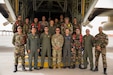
(7, 63)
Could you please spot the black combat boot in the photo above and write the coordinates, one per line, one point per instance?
(23, 68)
(80, 66)
(105, 71)
(15, 70)
(96, 68)
(73, 66)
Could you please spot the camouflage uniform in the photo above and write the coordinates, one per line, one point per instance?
(65, 26)
(57, 40)
(101, 40)
(37, 26)
(76, 26)
(16, 24)
(43, 24)
(19, 41)
(57, 24)
(26, 29)
(77, 52)
(52, 29)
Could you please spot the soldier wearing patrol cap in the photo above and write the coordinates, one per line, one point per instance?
(33, 48)
(19, 42)
(101, 41)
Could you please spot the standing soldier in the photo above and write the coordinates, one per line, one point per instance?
(88, 43)
(67, 49)
(101, 41)
(57, 43)
(52, 27)
(76, 48)
(43, 23)
(19, 41)
(75, 24)
(26, 27)
(18, 22)
(37, 25)
(66, 25)
(61, 19)
(57, 24)
(33, 48)
(45, 39)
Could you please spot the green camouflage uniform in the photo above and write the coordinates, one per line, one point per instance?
(65, 26)
(16, 24)
(76, 45)
(52, 29)
(57, 40)
(26, 28)
(57, 25)
(101, 40)
(76, 26)
(19, 41)
(88, 43)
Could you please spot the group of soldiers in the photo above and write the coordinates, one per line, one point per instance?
(61, 41)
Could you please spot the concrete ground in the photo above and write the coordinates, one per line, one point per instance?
(7, 63)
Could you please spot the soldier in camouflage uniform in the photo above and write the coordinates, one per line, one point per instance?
(19, 41)
(76, 48)
(61, 19)
(37, 25)
(101, 41)
(52, 27)
(26, 27)
(75, 24)
(43, 23)
(66, 25)
(57, 43)
(57, 24)
(18, 22)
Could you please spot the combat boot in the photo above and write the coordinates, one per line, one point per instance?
(73, 66)
(96, 68)
(23, 68)
(15, 70)
(54, 66)
(80, 66)
(105, 71)
(59, 67)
